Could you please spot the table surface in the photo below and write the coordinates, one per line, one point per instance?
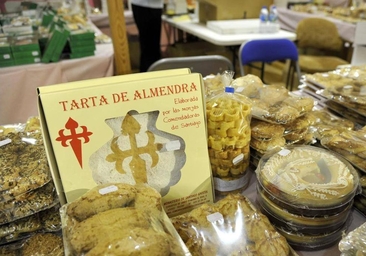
(356, 220)
(289, 19)
(193, 27)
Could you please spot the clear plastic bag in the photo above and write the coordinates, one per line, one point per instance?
(228, 125)
(350, 144)
(272, 103)
(23, 160)
(354, 243)
(231, 226)
(119, 218)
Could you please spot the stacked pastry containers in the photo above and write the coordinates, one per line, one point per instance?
(307, 193)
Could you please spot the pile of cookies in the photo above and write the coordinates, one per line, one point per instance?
(119, 219)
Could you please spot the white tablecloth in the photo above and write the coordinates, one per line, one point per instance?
(18, 94)
(289, 19)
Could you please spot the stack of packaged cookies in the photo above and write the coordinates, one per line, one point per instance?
(228, 126)
(28, 200)
(279, 118)
(307, 193)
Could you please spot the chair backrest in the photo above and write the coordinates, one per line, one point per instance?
(205, 64)
(318, 33)
(267, 51)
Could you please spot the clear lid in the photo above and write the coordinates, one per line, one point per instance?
(308, 177)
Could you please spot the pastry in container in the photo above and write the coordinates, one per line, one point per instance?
(307, 180)
(231, 226)
(307, 225)
(228, 126)
(119, 219)
(313, 242)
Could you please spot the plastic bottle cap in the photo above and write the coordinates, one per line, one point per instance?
(229, 89)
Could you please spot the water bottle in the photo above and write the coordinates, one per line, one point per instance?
(263, 20)
(263, 16)
(273, 14)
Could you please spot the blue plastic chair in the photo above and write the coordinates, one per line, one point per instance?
(268, 51)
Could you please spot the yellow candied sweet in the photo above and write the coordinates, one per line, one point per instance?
(234, 153)
(222, 172)
(225, 162)
(221, 154)
(212, 124)
(237, 170)
(216, 142)
(220, 132)
(227, 125)
(216, 114)
(232, 114)
(233, 132)
(230, 142)
(242, 141)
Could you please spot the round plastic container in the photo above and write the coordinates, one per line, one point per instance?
(308, 181)
(300, 241)
(298, 223)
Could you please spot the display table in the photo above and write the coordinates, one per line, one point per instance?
(101, 20)
(200, 30)
(18, 94)
(289, 19)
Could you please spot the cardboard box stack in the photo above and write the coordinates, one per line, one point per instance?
(55, 45)
(25, 49)
(81, 43)
(6, 56)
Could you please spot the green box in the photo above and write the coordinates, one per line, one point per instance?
(6, 56)
(51, 45)
(81, 54)
(82, 34)
(25, 43)
(5, 47)
(90, 48)
(28, 54)
(61, 45)
(6, 63)
(27, 61)
(78, 43)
